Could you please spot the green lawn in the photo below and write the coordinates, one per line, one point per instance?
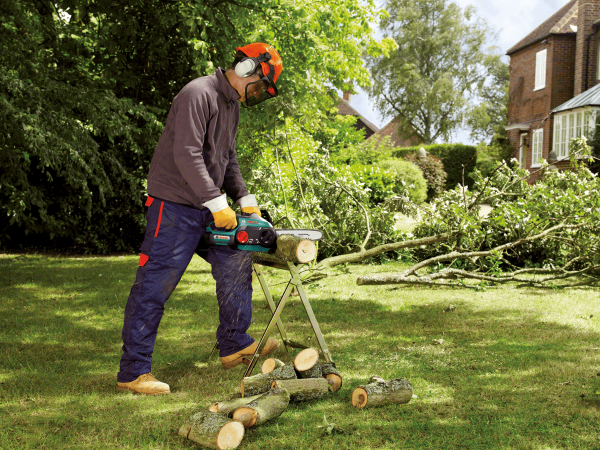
(517, 369)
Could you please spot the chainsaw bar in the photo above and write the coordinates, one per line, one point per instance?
(312, 235)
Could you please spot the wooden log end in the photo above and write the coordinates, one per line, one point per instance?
(230, 435)
(335, 382)
(270, 364)
(360, 398)
(306, 359)
(306, 251)
(246, 416)
(214, 408)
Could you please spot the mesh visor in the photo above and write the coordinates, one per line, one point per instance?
(259, 91)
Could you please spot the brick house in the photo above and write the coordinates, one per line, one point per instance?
(554, 90)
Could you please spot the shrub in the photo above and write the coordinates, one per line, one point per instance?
(433, 171)
(409, 175)
(453, 156)
(379, 182)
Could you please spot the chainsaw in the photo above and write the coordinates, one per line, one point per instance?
(254, 233)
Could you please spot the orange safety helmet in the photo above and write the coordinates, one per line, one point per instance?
(257, 49)
(270, 62)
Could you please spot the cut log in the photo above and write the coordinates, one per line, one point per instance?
(227, 407)
(270, 364)
(306, 360)
(382, 393)
(304, 390)
(264, 408)
(261, 383)
(213, 430)
(294, 249)
(332, 375)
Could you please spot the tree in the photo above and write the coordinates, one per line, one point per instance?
(545, 235)
(85, 86)
(434, 74)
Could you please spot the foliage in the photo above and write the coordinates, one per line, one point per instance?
(433, 171)
(488, 118)
(301, 188)
(594, 143)
(563, 208)
(440, 64)
(489, 156)
(407, 176)
(84, 87)
(380, 183)
(454, 157)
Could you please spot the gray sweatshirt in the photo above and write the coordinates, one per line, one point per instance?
(195, 157)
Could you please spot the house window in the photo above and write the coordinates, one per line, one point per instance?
(536, 148)
(571, 125)
(540, 70)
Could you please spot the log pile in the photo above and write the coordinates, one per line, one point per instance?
(265, 396)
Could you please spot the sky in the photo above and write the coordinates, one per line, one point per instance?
(511, 19)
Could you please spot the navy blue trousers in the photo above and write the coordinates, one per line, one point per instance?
(173, 234)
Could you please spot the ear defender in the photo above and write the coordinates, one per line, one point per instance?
(246, 67)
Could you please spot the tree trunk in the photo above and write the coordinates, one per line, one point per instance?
(382, 393)
(213, 430)
(264, 408)
(332, 375)
(304, 390)
(261, 383)
(305, 363)
(270, 364)
(294, 249)
(227, 407)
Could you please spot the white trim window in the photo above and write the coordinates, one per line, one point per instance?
(570, 125)
(536, 148)
(540, 70)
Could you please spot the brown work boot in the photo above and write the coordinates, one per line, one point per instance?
(145, 384)
(245, 355)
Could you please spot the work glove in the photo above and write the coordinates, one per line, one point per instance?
(225, 218)
(252, 210)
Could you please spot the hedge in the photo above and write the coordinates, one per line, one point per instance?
(453, 156)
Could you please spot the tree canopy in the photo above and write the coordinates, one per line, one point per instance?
(439, 67)
(85, 86)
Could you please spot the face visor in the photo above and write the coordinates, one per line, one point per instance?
(259, 91)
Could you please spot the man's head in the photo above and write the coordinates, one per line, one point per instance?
(256, 68)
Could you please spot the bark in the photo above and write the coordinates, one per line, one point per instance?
(264, 408)
(213, 430)
(294, 249)
(382, 393)
(270, 364)
(364, 255)
(332, 375)
(304, 390)
(261, 383)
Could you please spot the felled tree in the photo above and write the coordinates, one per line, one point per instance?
(540, 234)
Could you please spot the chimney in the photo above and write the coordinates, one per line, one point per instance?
(588, 12)
(346, 96)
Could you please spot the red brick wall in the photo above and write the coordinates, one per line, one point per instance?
(525, 104)
(587, 45)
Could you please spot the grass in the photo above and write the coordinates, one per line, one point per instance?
(517, 368)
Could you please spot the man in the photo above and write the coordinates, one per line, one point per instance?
(194, 160)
